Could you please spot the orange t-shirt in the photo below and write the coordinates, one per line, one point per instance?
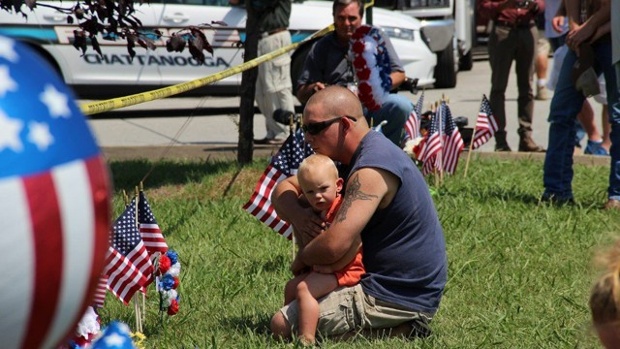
(352, 273)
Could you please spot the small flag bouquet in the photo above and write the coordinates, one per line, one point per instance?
(167, 281)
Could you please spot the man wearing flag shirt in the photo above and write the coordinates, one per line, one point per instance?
(387, 206)
(328, 63)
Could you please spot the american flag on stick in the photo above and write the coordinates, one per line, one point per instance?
(432, 146)
(444, 143)
(453, 142)
(282, 165)
(128, 266)
(412, 126)
(486, 126)
(149, 229)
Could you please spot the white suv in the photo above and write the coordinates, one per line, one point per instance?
(116, 74)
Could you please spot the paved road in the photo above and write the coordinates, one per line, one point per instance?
(212, 121)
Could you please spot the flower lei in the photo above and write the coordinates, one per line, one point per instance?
(372, 66)
(167, 281)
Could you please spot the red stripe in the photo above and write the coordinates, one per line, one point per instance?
(48, 250)
(99, 298)
(149, 230)
(124, 278)
(100, 193)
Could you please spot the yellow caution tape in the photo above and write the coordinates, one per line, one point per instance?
(122, 102)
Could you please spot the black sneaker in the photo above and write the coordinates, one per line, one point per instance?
(502, 147)
(556, 201)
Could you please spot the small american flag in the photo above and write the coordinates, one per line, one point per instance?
(282, 165)
(412, 126)
(444, 144)
(453, 143)
(433, 146)
(485, 124)
(149, 229)
(127, 264)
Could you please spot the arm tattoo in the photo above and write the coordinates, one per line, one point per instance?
(352, 193)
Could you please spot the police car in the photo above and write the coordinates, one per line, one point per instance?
(115, 73)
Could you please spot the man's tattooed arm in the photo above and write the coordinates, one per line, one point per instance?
(353, 192)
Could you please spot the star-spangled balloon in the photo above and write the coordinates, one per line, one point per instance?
(115, 336)
(54, 203)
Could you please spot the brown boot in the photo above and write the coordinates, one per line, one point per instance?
(527, 144)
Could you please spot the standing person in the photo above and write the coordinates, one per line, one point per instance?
(274, 89)
(319, 181)
(556, 28)
(589, 31)
(543, 47)
(513, 37)
(387, 207)
(328, 63)
(613, 108)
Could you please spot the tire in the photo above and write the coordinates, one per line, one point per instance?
(445, 72)
(466, 62)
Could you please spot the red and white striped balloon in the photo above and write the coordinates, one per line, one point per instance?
(54, 204)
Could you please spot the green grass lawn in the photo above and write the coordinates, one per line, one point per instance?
(519, 272)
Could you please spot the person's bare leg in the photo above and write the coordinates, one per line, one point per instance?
(314, 286)
(586, 117)
(542, 64)
(606, 128)
(290, 290)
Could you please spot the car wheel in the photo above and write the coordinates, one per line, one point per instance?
(466, 62)
(445, 72)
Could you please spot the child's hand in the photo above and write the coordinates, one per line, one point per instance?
(298, 267)
(323, 269)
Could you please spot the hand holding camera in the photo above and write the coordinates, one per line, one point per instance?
(524, 4)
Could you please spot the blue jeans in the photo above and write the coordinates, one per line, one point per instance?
(395, 110)
(613, 192)
(565, 105)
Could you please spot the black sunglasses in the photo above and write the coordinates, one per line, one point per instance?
(314, 128)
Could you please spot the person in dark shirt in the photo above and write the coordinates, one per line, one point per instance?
(329, 63)
(513, 38)
(387, 207)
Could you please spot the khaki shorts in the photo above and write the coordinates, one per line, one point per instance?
(543, 47)
(349, 309)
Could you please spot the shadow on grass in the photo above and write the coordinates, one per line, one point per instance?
(517, 195)
(258, 324)
(488, 194)
(275, 263)
(127, 174)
